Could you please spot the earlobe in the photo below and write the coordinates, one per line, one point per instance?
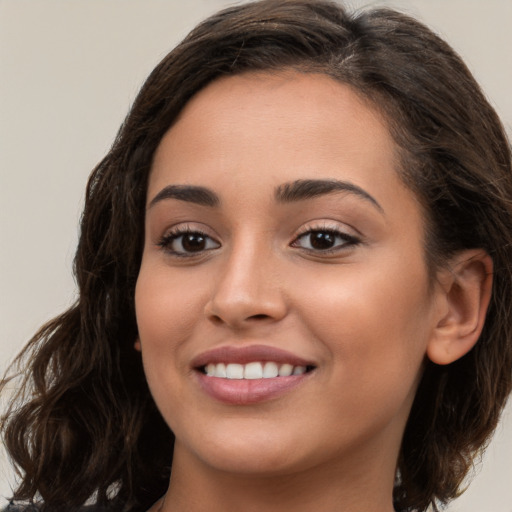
(466, 287)
(137, 345)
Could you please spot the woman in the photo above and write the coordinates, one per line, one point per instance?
(294, 279)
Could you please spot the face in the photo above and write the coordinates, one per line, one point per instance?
(283, 302)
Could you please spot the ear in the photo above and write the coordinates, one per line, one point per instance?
(137, 345)
(465, 291)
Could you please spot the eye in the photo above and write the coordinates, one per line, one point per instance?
(187, 242)
(324, 240)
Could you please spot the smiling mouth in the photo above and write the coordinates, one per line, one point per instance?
(253, 370)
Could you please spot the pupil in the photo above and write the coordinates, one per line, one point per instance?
(193, 242)
(321, 240)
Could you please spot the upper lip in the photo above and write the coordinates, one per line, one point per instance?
(248, 354)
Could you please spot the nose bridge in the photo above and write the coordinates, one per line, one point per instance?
(247, 287)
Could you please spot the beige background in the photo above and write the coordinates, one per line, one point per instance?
(69, 70)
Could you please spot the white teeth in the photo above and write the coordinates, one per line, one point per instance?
(285, 370)
(234, 371)
(270, 370)
(252, 371)
(220, 370)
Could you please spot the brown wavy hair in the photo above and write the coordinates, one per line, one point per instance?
(84, 423)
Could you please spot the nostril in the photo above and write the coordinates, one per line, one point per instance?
(258, 317)
(216, 319)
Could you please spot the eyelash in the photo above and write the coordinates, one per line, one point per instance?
(348, 240)
(172, 236)
(169, 238)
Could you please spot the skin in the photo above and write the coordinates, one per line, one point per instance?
(364, 313)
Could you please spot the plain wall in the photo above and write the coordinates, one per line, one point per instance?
(69, 71)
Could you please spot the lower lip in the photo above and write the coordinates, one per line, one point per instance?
(248, 391)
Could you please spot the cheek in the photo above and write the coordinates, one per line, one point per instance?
(165, 313)
(165, 320)
(373, 321)
(376, 331)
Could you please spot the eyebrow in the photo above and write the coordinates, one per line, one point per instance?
(298, 190)
(189, 193)
(307, 189)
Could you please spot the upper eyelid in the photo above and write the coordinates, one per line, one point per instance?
(189, 227)
(329, 225)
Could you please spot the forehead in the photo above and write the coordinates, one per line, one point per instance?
(288, 106)
(259, 129)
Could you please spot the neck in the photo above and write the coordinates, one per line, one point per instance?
(335, 487)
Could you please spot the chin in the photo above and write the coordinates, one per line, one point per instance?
(253, 452)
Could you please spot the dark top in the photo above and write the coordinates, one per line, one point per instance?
(20, 508)
(33, 508)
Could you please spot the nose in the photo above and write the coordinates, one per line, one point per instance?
(247, 290)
